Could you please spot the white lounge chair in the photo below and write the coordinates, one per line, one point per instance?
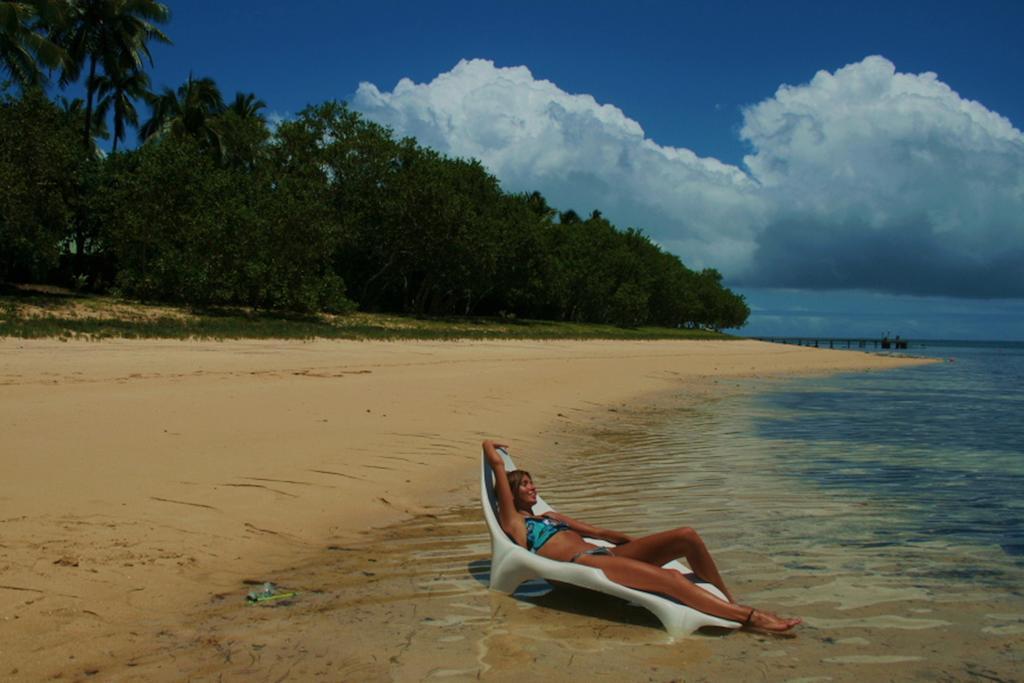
(511, 565)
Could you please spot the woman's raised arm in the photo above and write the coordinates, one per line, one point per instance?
(511, 521)
(493, 457)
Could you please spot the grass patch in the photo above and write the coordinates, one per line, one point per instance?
(63, 315)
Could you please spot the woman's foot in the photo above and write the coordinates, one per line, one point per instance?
(760, 620)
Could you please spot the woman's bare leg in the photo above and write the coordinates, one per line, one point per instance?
(643, 576)
(657, 549)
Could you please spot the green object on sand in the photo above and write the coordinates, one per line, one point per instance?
(270, 598)
(268, 594)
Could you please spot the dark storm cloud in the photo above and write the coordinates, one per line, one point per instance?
(905, 258)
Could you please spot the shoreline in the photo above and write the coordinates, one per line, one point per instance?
(148, 476)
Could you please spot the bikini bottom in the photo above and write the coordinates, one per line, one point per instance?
(592, 551)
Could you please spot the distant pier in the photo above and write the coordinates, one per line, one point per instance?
(839, 342)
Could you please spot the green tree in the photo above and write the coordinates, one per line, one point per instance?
(628, 305)
(734, 311)
(112, 35)
(183, 227)
(25, 49)
(720, 307)
(242, 131)
(191, 110)
(41, 166)
(118, 92)
(247, 106)
(289, 263)
(569, 217)
(588, 267)
(84, 241)
(536, 202)
(518, 288)
(674, 301)
(357, 163)
(74, 112)
(243, 141)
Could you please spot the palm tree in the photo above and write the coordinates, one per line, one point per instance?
(247, 106)
(23, 47)
(110, 34)
(119, 91)
(74, 113)
(569, 217)
(189, 110)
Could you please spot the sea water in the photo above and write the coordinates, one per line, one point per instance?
(942, 446)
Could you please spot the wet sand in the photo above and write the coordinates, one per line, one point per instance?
(146, 482)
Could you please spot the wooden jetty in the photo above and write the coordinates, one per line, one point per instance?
(839, 342)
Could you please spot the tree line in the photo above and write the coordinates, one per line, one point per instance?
(323, 212)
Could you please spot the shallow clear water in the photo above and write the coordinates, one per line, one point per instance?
(942, 446)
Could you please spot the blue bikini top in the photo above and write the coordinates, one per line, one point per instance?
(540, 529)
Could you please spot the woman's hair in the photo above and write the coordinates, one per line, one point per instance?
(515, 478)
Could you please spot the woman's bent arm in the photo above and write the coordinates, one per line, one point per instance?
(511, 522)
(491, 451)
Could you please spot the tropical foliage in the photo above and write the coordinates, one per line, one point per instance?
(25, 49)
(108, 35)
(187, 111)
(118, 92)
(42, 165)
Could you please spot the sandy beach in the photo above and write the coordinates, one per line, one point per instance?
(146, 482)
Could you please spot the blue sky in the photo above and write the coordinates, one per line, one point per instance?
(852, 168)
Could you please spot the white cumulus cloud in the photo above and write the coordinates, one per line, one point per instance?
(886, 180)
(862, 178)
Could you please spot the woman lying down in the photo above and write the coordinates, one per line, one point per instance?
(634, 562)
